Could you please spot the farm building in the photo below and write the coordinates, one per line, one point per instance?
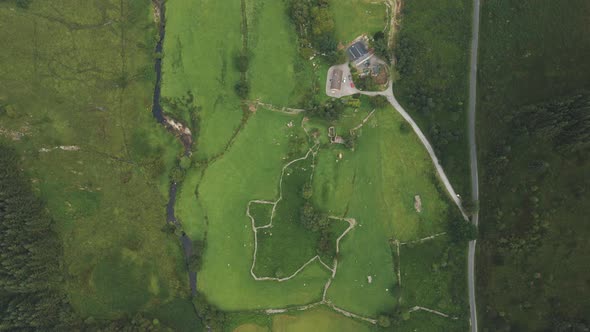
(336, 80)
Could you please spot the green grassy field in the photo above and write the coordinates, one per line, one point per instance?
(432, 51)
(355, 17)
(71, 78)
(280, 78)
(365, 251)
(286, 246)
(249, 170)
(317, 320)
(535, 218)
(382, 201)
(202, 41)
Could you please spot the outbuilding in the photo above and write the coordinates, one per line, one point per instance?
(336, 80)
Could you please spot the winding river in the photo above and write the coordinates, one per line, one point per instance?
(176, 129)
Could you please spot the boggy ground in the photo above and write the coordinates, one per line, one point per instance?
(78, 79)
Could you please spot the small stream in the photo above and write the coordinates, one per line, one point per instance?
(173, 127)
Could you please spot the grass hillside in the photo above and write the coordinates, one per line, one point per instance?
(532, 129)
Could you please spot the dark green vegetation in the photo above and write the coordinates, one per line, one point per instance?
(533, 126)
(314, 22)
(380, 47)
(432, 53)
(76, 86)
(433, 276)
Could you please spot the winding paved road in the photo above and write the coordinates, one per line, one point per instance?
(473, 159)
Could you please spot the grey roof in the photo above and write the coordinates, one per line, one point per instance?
(357, 51)
(336, 82)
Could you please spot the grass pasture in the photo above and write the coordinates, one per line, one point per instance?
(249, 170)
(321, 319)
(286, 246)
(81, 76)
(382, 202)
(202, 40)
(355, 17)
(277, 77)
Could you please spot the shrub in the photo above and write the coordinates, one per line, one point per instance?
(242, 88)
(242, 63)
(383, 321)
(378, 101)
(404, 128)
(461, 231)
(23, 3)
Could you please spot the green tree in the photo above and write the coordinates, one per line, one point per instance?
(461, 231)
(380, 45)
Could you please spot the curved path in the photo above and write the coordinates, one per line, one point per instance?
(473, 159)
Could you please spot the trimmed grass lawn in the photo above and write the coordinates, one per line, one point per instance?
(202, 40)
(72, 85)
(355, 17)
(320, 319)
(249, 170)
(376, 185)
(278, 75)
